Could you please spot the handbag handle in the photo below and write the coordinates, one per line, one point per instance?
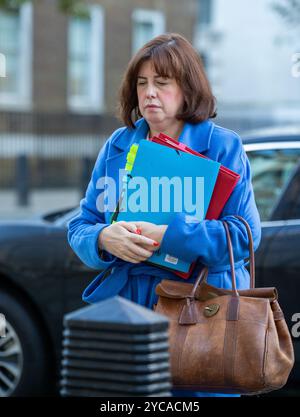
(204, 272)
(251, 251)
(231, 258)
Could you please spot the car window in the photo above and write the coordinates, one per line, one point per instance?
(295, 213)
(271, 171)
(292, 196)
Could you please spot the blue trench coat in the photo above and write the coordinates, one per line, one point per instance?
(204, 241)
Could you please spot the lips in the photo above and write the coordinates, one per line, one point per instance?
(152, 106)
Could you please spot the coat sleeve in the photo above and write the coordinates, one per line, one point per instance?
(84, 229)
(206, 240)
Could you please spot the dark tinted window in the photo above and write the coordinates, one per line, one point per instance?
(293, 196)
(271, 172)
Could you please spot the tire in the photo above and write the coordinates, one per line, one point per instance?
(24, 362)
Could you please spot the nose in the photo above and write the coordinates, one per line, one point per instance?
(151, 91)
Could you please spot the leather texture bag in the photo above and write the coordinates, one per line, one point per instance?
(226, 341)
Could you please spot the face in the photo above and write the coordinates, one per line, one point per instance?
(160, 99)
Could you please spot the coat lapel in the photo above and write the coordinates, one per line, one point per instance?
(197, 136)
(130, 136)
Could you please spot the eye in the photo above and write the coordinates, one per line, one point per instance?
(163, 80)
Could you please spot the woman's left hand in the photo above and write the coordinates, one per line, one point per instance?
(151, 230)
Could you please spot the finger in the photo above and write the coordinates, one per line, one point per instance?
(130, 226)
(136, 250)
(131, 259)
(143, 240)
(153, 249)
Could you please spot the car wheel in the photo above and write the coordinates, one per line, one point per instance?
(24, 370)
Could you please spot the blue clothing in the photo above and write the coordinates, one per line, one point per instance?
(204, 242)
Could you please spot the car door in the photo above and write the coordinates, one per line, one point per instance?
(276, 182)
(76, 274)
(287, 266)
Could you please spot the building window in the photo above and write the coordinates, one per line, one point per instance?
(204, 59)
(146, 25)
(16, 48)
(2, 65)
(205, 12)
(86, 61)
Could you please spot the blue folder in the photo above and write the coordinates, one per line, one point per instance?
(162, 182)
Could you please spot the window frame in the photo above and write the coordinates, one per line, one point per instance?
(22, 100)
(156, 17)
(95, 103)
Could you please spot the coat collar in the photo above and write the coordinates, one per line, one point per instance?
(195, 136)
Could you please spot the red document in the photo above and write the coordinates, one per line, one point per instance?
(226, 181)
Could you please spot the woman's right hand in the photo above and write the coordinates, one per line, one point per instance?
(121, 240)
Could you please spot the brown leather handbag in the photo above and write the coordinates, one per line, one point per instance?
(226, 341)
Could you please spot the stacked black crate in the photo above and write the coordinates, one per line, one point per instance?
(115, 348)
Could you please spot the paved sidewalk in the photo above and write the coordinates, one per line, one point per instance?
(40, 202)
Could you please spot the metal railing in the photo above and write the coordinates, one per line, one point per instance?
(30, 162)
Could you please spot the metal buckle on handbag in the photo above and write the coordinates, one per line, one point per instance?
(211, 310)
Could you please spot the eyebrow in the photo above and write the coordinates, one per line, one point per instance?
(156, 76)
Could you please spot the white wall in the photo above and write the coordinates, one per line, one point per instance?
(250, 52)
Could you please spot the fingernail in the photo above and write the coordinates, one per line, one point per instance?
(138, 231)
(155, 244)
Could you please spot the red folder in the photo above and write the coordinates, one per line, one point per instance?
(226, 181)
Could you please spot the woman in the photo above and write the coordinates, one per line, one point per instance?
(164, 90)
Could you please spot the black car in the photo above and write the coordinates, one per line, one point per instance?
(41, 278)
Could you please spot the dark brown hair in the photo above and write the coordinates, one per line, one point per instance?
(172, 56)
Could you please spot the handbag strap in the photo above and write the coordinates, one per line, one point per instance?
(251, 251)
(204, 272)
(231, 258)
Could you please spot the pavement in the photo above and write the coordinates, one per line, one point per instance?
(39, 202)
